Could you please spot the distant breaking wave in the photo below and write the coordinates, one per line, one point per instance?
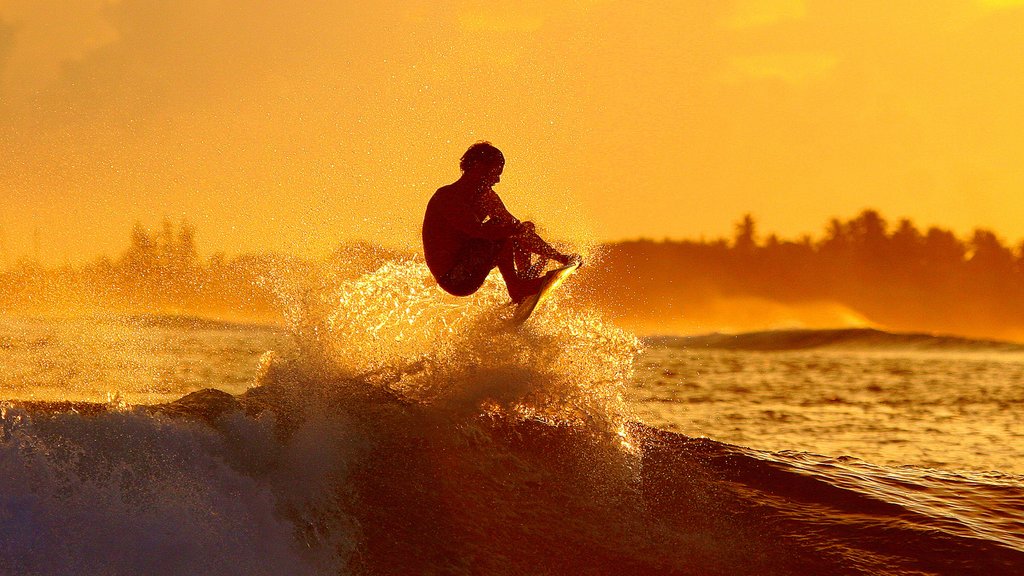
(867, 338)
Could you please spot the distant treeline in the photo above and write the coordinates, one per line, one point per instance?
(898, 276)
(161, 272)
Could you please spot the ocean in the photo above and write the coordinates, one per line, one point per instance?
(389, 429)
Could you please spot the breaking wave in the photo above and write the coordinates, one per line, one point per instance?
(859, 338)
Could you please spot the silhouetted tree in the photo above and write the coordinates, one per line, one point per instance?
(745, 240)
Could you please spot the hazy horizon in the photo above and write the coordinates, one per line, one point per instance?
(864, 271)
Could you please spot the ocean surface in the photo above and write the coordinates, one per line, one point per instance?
(388, 429)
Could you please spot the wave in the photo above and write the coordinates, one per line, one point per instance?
(860, 338)
(227, 485)
(411, 433)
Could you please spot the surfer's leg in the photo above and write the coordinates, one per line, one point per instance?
(531, 242)
(524, 263)
(525, 245)
(474, 262)
(520, 277)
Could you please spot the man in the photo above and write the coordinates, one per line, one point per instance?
(467, 232)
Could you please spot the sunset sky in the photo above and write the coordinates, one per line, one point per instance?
(275, 125)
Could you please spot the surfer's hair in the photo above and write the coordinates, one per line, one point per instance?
(481, 152)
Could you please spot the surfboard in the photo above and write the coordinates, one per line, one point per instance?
(531, 302)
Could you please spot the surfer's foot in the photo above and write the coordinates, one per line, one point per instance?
(525, 287)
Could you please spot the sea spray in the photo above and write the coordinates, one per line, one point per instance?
(396, 329)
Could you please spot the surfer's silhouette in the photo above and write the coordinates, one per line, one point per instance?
(467, 232)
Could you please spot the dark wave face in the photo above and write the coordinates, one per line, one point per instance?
(413, 436)
(221, 485)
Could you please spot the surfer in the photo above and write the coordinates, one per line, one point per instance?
(467, 231)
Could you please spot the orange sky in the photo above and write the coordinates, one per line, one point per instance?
(295, 125)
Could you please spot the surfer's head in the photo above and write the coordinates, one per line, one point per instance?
(481, 153)
(483, 161)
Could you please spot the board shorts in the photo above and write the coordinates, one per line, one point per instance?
(473, 263)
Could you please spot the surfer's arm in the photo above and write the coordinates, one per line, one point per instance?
(495, 208)
(493, 227)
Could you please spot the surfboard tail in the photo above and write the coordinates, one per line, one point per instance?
(554, 279)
